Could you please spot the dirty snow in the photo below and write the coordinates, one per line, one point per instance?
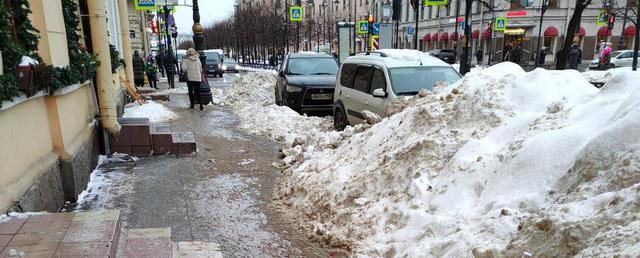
(155, 111)
(102, 188)
(598, 76)
(502, 163)
(252, 99)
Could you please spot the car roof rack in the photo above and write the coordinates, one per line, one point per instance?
(381, 54)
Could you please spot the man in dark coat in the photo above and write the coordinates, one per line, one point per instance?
(171, 66)
(138, 69)
(160, 62)
(516, 53)
(575, 56)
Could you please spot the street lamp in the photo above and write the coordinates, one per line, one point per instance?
(543, 9)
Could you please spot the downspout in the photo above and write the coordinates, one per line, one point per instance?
(126, 40)
(104, 77)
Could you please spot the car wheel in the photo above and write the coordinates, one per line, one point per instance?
(339, 119)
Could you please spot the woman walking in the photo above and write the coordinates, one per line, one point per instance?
(193, 68)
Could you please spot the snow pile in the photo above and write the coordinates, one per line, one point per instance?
(252, 98)
(501, 163)
(597, 76)
(156, 112)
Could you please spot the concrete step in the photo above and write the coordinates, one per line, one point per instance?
(81, 234)
(146, 242)
(146, 90)
(161, 139)
(196, 249)
(184, 143)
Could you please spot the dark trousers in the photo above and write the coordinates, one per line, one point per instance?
(152, 81)
(139, 82)
(194, 95)
(161, 68)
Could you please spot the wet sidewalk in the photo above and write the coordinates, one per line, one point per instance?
(222, 194)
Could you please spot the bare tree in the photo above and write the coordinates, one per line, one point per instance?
(572, 29)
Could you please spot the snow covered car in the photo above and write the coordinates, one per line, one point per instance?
(373, 80)
(621, 58)
(306, 82)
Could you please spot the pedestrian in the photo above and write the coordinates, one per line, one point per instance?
(272, 61)
(152, 74)
(516, 53)
(170, 67)
(479, 56)
(542, 56)
(575, 56)
(138, 69)
(506, 54)
(193, 68)
(605, 57)
(160, 62)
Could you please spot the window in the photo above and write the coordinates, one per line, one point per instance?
(552, 3)
(348, 72)
(378, 80)
(410, 80)
(363, 76)
(626, 55)
(312, 66)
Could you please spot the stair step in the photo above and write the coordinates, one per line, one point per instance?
(161, 139)
(145, 90)
(197, 249)
(147, 242)
(184, 143)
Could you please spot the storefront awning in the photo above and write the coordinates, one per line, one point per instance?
(453, 36)
(551, 31)
(475, 34)
(630, 31)
(434, 36)
(444, 36)
(604, 31)
(486, 33)
(426, 37)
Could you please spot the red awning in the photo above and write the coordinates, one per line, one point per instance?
(444, 36)
(604, 31)
(435, 36)
(426, 37)
(475, 34)
(551, 32)
(453, 36)
(582, 32)
(630, 31)
(486, 33)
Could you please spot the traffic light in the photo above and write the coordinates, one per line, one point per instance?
(154, 26)
(370, 19)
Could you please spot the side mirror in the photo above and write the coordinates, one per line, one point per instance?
(379, 93)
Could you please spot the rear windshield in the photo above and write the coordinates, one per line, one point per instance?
(312, 66)
(410, 80)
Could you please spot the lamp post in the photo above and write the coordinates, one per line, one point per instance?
(543, 9)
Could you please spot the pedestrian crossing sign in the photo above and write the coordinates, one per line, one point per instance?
(435, 2)
(602, 19)
(500, 24)
(140, 5)
(295, 13)
(363, 27)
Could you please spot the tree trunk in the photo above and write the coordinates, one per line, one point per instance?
(572, 29)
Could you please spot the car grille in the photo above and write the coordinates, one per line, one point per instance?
(308, 101)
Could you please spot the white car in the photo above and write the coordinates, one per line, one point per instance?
(621, 58)
(373, 80)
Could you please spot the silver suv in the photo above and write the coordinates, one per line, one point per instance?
(371, 81)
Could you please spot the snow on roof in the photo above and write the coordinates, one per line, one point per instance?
(400, 58)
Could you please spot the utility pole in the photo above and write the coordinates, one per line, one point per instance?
(416, 12)
(456, 50)
(634, 64)
(543, 9)
(621, 44)
(298, 29)
(355, 19)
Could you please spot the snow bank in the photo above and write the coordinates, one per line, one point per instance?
(501, 163)
(156, 112)
(252, 99)
(604, 76)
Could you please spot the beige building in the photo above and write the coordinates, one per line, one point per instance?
(51, 142)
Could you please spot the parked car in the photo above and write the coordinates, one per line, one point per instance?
(447, 55)
(213, 64)
(372, 81)
(621, 58)
(306, 82)
(230, 65)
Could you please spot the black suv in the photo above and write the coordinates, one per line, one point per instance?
(213, 64)
(306, 82)
(446, 55)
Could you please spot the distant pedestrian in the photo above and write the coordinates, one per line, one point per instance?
(193, 68)
(160, 62)
(152, 74)
(138, 69)
(516, 54)
(170, 67)
(605, 57)
(479, 56)
(272, 60)
(542, 56)
(575, 56)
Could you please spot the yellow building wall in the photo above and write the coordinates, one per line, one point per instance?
(75, 110)
(47, 17)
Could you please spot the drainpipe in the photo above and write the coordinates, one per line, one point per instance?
(104, 77)
(126, 40)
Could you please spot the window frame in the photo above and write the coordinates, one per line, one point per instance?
(384, 78)
(368, 86)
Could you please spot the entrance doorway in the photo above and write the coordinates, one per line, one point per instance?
(513, 37)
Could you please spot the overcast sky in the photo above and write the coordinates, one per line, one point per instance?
(210, 12)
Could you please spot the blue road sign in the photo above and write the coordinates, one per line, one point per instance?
(462, 24)
(410, 30)
(376, 28)
(363, 27)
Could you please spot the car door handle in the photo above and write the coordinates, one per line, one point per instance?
(348, 96)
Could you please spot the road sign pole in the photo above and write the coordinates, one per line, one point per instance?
(543, 9)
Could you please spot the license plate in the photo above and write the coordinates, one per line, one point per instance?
(327, 96)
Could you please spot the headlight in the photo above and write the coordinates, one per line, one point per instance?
(292, 88)
(237, 67)
(219, 65)
(224, 67)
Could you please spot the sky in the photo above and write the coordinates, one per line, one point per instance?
(210, 12)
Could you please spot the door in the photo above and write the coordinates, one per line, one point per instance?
(625, 59)
(356, 96)
(281, 80)
(377, 104)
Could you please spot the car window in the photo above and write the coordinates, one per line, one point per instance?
(212, 55)
(626, 55)
(312, 66)
(410, 80)
(347, 74)
(378, 81)
(363, 76)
